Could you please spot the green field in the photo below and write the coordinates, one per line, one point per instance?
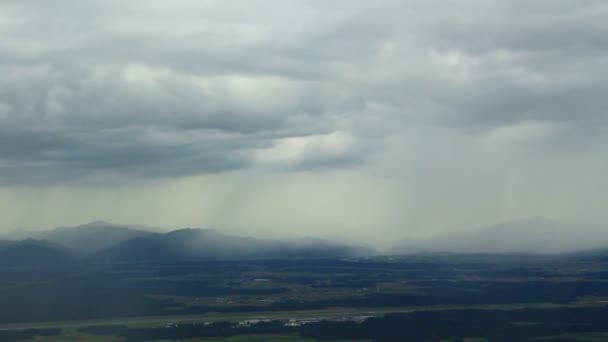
(70, 335)
(153, 321)
(586, 337)
(153, 297)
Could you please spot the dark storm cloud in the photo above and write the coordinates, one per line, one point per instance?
(165, 90)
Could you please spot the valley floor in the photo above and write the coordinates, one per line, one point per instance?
(540, 297)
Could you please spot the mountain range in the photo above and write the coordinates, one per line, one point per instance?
(31, 252)
(105, 242)
(536, 235)
(87, 238)
(102, 242)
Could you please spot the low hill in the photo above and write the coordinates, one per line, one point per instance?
(32, 252)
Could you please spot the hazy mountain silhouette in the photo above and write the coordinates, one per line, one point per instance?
(205, 244)
(88, 238)
(535, 235)
(31, 252)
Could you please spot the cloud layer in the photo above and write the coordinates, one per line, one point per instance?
(480, 99)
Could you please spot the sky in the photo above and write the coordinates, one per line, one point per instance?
(372, 121)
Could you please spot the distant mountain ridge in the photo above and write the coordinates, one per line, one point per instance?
(85, 239)
(204, 244)
(536, 235)
(31, 252)
(106, 242)
(103, 242)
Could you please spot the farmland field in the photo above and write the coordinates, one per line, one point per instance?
(304, 300)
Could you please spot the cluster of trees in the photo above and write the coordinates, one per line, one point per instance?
(495, 325)
(27, 334)
(185, 331)
(119, 290)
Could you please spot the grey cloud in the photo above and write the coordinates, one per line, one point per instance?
(167, 90)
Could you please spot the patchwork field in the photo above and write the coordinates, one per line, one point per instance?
(540, 297)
